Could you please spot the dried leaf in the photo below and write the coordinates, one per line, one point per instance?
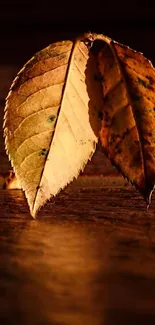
(128, 125)
(51, 119)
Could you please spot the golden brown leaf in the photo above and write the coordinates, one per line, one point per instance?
(128, 126)
(51, 119)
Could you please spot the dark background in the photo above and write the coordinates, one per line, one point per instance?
(28, 26)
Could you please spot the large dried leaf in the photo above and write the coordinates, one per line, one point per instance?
(51, 119)
(128, 126)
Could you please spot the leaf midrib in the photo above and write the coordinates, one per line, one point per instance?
(61, 103)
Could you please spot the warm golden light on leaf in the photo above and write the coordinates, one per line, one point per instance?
(51, 126)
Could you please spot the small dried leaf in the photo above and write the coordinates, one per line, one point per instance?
(51, 119)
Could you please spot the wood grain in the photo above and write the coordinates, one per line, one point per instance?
(87, 259)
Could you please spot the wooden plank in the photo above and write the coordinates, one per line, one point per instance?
(89, 257)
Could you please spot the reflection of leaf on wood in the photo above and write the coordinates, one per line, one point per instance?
(51, 126)
(128, 126)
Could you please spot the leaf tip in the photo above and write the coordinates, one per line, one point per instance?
(33, 213)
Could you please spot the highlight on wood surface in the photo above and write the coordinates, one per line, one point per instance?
(65, 98)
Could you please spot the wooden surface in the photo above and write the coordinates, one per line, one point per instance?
(89, 258)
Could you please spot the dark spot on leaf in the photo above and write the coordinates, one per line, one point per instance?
(150, 79)
(126, 55)
(51, 118)
(127, 131)
(118, 150)
(136, 97)
(142, 82)
(44, 152)
(97, 77)
(100, 115)
(154, 109)
(82, 142)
